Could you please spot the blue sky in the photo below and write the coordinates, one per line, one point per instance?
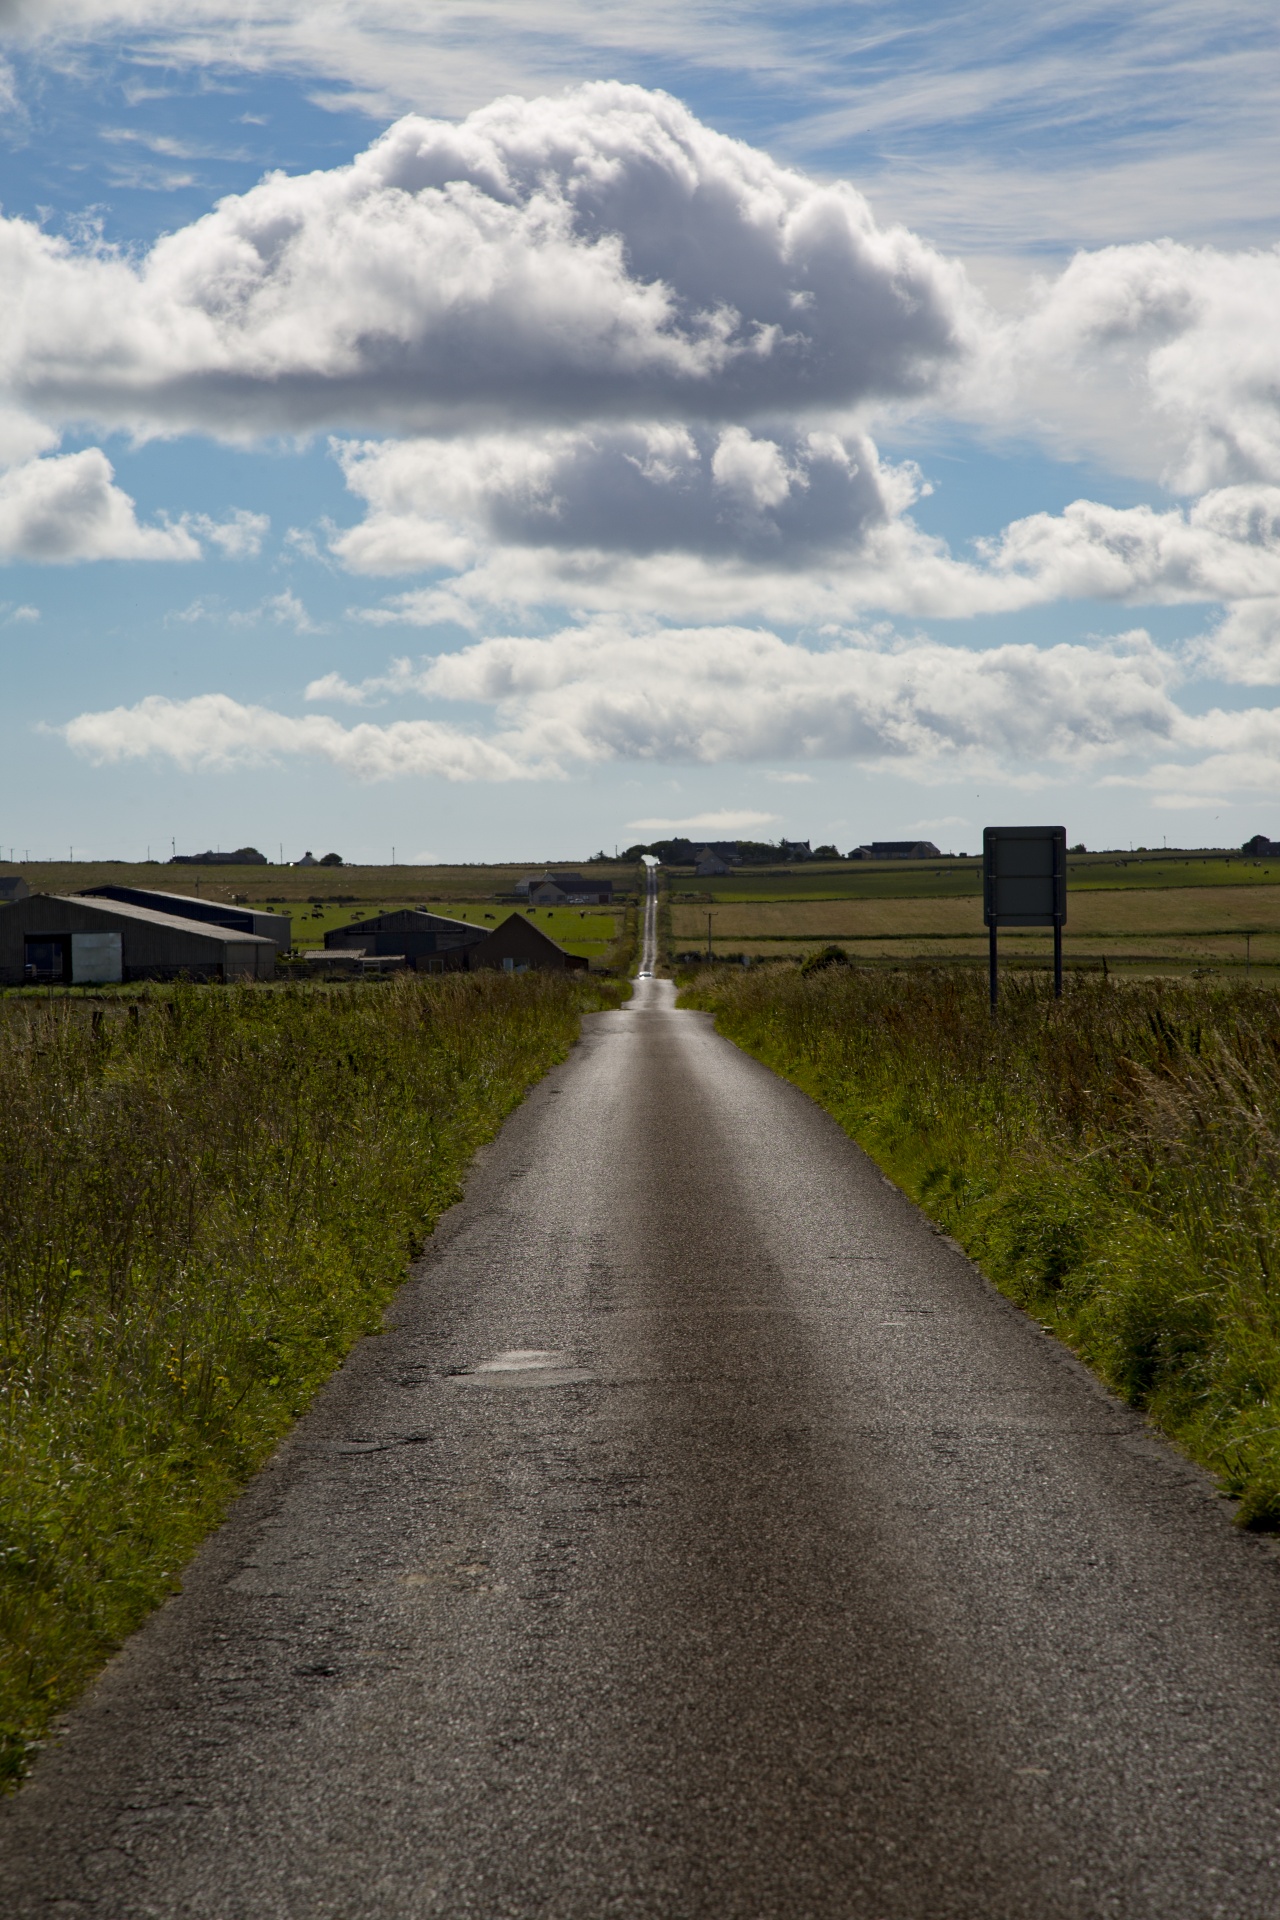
(860, 420)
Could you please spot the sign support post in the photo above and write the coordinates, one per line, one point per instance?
(1024, 884)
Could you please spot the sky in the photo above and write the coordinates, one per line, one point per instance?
(478, 431)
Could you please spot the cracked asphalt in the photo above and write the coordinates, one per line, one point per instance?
(704, 1537)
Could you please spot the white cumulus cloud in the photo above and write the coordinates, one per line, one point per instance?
(603, 252)
(1163, 357)
(67, 507)
(602, 693)
(214, 732)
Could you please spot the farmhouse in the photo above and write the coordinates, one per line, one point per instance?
(706, 861)
(54, 938)
(1259, 846)
(564, 890)
(430, 942)
(271, 926)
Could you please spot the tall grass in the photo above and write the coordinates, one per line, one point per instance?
(1111, 1159)
(201, 1207)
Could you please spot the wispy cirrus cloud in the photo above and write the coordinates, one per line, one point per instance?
(1155, 117)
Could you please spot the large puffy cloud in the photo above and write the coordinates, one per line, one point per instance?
(69, 508)
(600, 253)
(601, 693)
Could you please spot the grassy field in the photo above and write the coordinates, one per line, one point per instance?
(321, 899)
(201, 1208)
(955, 879)
(1134, 911)
(1110, 1159)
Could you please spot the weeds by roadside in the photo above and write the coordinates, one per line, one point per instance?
(201, 1209)
(1112, 1161)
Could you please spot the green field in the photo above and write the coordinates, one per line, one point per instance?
(953, 879)
(1162, 911)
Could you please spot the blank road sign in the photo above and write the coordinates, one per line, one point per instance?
(1024, 874)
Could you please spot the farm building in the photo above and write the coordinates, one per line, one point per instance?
(517, 944)
(564, 890)
(1259, 846)
(428, 941)
(707, 861)
(13, 887)
(896, 850)
(53, 938)
(271, 926)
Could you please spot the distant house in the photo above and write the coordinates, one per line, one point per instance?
(1259, 846)
(896, 850)
(518, 945)
(13, 887)
(706, 862)
(308, 860)
(796, 850)
(429, 942)
(61, 939)
(564, 890)
(271, 926)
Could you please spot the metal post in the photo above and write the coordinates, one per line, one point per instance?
(1057, 959)
(995, 978)
(708, 939)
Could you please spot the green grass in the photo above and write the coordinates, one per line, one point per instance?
(1112, 1160)
(200, 1211)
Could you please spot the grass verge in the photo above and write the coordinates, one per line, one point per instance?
(1112, 1160)
(201, 1210)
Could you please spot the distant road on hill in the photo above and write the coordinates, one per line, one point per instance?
(705, 1538)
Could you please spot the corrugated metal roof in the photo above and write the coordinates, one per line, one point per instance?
(150, 916)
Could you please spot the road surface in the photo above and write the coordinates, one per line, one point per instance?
(705, 1538)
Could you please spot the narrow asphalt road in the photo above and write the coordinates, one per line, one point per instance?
(704, 1538)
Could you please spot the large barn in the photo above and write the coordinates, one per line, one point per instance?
(272, 926)
(66, 939)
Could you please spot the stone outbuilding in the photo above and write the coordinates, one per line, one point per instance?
(68, 940)
(518, 945)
